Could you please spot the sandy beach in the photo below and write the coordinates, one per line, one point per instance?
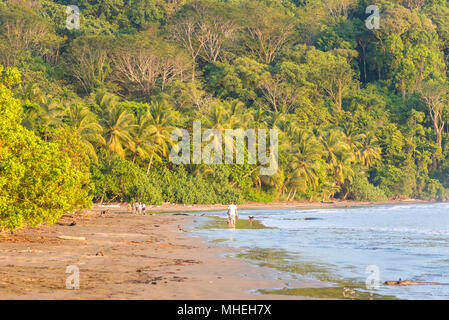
(121, 255)
(127, 256)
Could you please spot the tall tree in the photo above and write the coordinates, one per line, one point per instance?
(88, 61)
(141, 65)
(331, 73)
(435, 95)
(268, 30)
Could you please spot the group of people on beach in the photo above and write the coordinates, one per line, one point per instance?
(138, 207)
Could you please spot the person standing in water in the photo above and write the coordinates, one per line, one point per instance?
(232, 215)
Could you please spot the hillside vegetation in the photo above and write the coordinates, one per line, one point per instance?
(86, 114)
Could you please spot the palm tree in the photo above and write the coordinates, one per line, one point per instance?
(159, 128)
(143, 137)
(40, 110)
(238, 117)
(104, 100)
(258, 118)
(30, 116)
(140, 138)
(339, 155)
(49, 115)
(30, 93)
(50, 111)
(305, 157)
(343, 167)
(224, 115)
(200, 169)
(328, 189)
(333, 141)
(353, 138)
(274, 118)
(118, 124)
(31, 97)
(85, 124)
(276, 180)
(370, 151)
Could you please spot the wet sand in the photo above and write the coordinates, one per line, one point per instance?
(128, 256)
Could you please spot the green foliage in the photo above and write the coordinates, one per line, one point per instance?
(119, 180)
(361, 190)
(178, 186)
(258, 196)
(71, 144)
(434, 191)
(395, 182)
(39, 181)
(343, 98)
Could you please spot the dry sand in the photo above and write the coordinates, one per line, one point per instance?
(127, 256)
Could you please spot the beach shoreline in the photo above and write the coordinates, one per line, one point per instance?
(121, 255)
(174, 207)
(128, 256)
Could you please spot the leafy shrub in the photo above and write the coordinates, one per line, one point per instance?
(39, 181)
(361, 190)
(179, 186)
(257, 196)
(121, 180)
(395, 182)
(433, 190)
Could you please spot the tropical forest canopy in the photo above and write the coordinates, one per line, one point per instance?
(86, 113)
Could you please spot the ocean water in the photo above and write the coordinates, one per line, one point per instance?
(347, 246)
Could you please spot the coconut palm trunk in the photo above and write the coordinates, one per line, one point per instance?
(149, 164)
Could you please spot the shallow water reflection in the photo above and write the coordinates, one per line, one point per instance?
(337, 245)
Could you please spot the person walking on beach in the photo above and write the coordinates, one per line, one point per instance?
(139, 207)
(232, 215)
(144, 207)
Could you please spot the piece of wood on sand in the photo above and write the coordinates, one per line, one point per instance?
(408, 282)
(72, 238)
(149, 242)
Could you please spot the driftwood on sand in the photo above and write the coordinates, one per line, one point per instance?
(70, 224)
(408, 282)
(149, 242)
(72, 238)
